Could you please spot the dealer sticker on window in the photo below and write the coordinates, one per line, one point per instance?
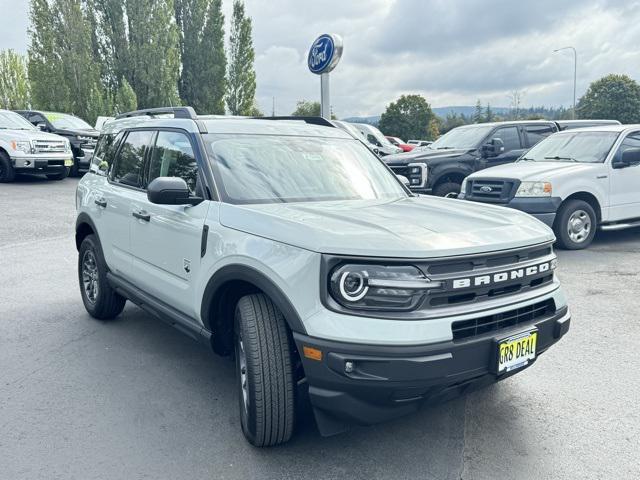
(517, 351)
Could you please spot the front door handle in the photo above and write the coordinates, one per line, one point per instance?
(142, 215)
(100, 202)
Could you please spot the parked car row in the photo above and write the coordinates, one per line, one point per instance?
(40, 142)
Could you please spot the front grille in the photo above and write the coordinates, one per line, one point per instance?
(465, 329)
(49, 146)
(489, 190)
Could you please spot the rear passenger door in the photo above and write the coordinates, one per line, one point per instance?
(166, 240)
(513, 145)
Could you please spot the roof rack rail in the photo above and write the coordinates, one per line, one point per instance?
(323, 122)
(178, 112)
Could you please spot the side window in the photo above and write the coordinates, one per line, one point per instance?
(128, 168)
(510, 138)
(37, 118)
(632, 141)
(173, 157)
(535, 133)
(103, 155)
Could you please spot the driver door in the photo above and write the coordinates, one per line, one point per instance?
(513, 146)
(625, 183)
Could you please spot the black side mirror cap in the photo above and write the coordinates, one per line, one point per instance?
(630, 157)
(493, 148)
(171, 191)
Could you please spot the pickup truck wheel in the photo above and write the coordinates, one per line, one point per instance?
(575, 225)
(100, 300)
(75, 170)
(449, 189)
(59, 176)
(264, 371)
(7, 173)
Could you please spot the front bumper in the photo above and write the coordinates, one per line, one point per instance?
(39, 164)
(391, 381)
(543, 208)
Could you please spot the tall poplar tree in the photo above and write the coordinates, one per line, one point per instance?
(242, 76)
(14, 81)
(203, 80)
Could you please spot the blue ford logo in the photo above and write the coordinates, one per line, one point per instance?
(486, 189)
(325, 53)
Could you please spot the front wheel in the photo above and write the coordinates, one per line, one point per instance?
(64, 173)
(448, 190)
(7, 173)
(575, 225)
(264, 372)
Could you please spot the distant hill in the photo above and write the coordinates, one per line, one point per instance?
(439, 111)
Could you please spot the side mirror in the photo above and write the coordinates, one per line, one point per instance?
(404, 180)
(170, 191)
(493, 148)
(628, 158)
(42, 126)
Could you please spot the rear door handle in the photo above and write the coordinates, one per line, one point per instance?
(100, 202)
(142, 215)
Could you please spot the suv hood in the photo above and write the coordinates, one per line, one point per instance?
(423, 156)
(29, 135)
(414, 227)
(537, 171)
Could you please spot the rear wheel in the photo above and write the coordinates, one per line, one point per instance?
(64, 173)
(448, 189)
(575, 225)
(7, 173)
(264, 372)
(100, 300)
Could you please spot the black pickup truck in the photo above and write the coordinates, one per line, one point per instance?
(440, 168)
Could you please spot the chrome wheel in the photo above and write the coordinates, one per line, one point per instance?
(579, 226)
(242, 367)
(90, 280)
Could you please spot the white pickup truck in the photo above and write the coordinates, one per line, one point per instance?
(574, 181)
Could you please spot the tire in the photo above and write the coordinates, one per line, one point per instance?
(575, 225)
(59, 176)
(105, 303)
(7, 173)
(75, 170)
(447, 189)
(264, 372)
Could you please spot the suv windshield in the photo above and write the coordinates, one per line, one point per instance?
(271, 169)
(587, 147)
(64, 121)
(14, 121)
(462, 138)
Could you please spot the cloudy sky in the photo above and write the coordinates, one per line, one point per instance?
(452, 52)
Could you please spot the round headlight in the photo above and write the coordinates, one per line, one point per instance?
(353, 286)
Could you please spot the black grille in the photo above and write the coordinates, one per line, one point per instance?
(488, 190)
(494, 323)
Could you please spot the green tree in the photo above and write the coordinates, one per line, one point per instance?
(241, 76)
(202, 81)
(409, 117)
(125, 98)
(14, 81)
(478, 114)
(615, 97)
(488, 114)
(305, 108)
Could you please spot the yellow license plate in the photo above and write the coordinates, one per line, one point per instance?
(68, 162)
(517, 351)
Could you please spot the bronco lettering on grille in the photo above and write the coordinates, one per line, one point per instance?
(499, 277)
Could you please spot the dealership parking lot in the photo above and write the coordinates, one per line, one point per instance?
(134, 398)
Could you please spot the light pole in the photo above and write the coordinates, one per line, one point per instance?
(575, 74)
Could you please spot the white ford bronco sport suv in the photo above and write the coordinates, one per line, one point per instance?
(289, 245)
(574, 181)
(26, 149)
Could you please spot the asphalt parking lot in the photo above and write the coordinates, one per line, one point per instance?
(135, 399)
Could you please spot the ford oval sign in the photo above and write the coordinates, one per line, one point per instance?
(325, 53)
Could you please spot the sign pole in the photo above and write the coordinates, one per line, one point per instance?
(325, 96)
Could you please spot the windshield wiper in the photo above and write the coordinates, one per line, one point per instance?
(444, 148)
(570, 159)
(526, 159)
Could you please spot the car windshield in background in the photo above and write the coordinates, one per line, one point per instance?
(67, 122)
(14, 121)
(272, 169)
(587, 147)
(461, 138)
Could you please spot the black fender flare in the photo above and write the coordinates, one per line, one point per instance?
(84, 218)
(250, 275)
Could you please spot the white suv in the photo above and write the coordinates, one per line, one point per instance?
(26, 149)
(574, 180)
(290, 245)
